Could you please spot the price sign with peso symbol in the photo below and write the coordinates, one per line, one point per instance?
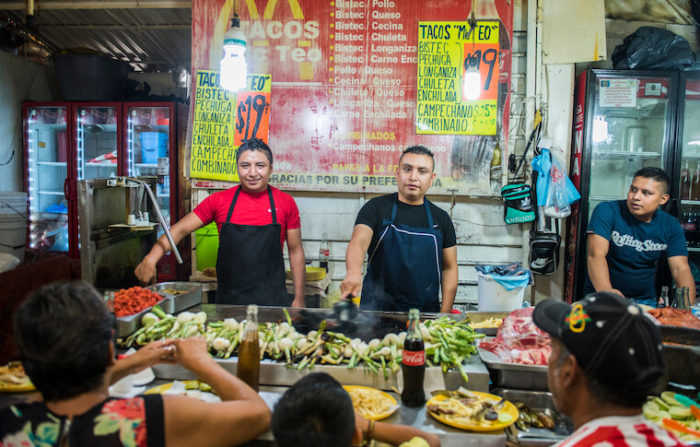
(253, 110)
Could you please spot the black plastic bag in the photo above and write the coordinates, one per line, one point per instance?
(651, 48)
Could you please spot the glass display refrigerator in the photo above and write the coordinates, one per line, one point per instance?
(623, 121)
(71, 141)
(686, 181)
(49, 169)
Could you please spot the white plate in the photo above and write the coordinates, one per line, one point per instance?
(134, 391)
(144, 377)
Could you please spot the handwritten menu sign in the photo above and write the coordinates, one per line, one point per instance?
(446, 52)
(346, 86)
(223, 120)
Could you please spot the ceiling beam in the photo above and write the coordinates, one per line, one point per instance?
(153, 4)
(116, 27)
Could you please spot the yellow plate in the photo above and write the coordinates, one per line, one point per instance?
(311, 274)
(507, 410)
(376, 417)
(161, 389)
(11, 388)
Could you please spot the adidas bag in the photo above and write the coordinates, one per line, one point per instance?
(518, 203)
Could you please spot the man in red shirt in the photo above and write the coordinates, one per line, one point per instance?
(254, 220)
(606, 359)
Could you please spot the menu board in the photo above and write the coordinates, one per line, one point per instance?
(344, 96)
(223, 120)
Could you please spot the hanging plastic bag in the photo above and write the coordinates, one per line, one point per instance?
(560, 193)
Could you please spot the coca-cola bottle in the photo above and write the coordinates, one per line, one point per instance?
(248, 369)
(685, 182)
(413, 363)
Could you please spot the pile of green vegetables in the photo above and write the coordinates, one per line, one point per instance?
(676, 413)
(447, 343)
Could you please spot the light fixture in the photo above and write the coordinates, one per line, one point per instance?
(233, 68)
(471, 80)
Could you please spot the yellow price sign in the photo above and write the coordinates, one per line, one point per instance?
(457, 78)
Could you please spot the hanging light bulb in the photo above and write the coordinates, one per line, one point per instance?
(233, 68)
(471, 84)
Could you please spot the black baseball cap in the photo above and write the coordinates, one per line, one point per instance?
(614, 341)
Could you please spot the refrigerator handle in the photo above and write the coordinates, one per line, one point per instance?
(66, 189)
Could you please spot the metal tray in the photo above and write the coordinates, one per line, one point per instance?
(514, 375)
(174, 303)
(129, 324)
(536, 400)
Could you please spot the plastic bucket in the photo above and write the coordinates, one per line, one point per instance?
(13, 223)
(153, 145)
(207, 245)
(493, 297)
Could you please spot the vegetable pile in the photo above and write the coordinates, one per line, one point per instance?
(681, 417)
(447, 342)
(133, 300)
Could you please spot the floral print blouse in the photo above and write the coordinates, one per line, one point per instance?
(133, 422)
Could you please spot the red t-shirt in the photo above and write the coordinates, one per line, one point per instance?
(251, 209)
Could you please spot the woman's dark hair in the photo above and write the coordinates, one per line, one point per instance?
(63, 332)
(315, 412)
(254, 144)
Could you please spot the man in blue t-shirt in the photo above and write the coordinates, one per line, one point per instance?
(627, 237)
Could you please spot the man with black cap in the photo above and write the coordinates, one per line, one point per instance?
(606, 359)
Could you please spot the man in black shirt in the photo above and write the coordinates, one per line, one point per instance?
(411, 245)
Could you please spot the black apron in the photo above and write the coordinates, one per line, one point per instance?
(249, 263)
(405, 268)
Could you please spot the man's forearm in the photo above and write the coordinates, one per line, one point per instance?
(598, 273)
(449, 289)
(354, 259)
(298, 267)
(684, 278)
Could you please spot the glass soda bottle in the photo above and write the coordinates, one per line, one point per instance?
(413, 363)
(249, 352)
(324, 252)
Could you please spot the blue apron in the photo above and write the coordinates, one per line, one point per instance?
(405, 269)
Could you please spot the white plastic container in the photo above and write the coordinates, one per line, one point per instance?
(493, 297)
(13, 222)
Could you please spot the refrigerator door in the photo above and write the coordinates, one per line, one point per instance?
(688, 185)
(97, 142)
(629, 130)
(150, 151)
(48, 172)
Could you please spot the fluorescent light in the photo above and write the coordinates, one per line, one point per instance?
(471, 84)
(233, 68)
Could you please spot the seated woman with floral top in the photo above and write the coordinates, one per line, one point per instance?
(65, 337)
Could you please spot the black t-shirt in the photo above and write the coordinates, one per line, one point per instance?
(374, 212)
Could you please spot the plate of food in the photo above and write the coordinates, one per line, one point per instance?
(191, 388)
(371, 403)
(13, 379)
(472, 410)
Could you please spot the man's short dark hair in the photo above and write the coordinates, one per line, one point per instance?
(656, 174)
(420, 150)
(254, 144)
(63, 332)
(316, 411)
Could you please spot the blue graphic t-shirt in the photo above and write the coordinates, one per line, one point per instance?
(635, 246)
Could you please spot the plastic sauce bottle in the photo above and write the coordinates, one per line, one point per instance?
(249, 353)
